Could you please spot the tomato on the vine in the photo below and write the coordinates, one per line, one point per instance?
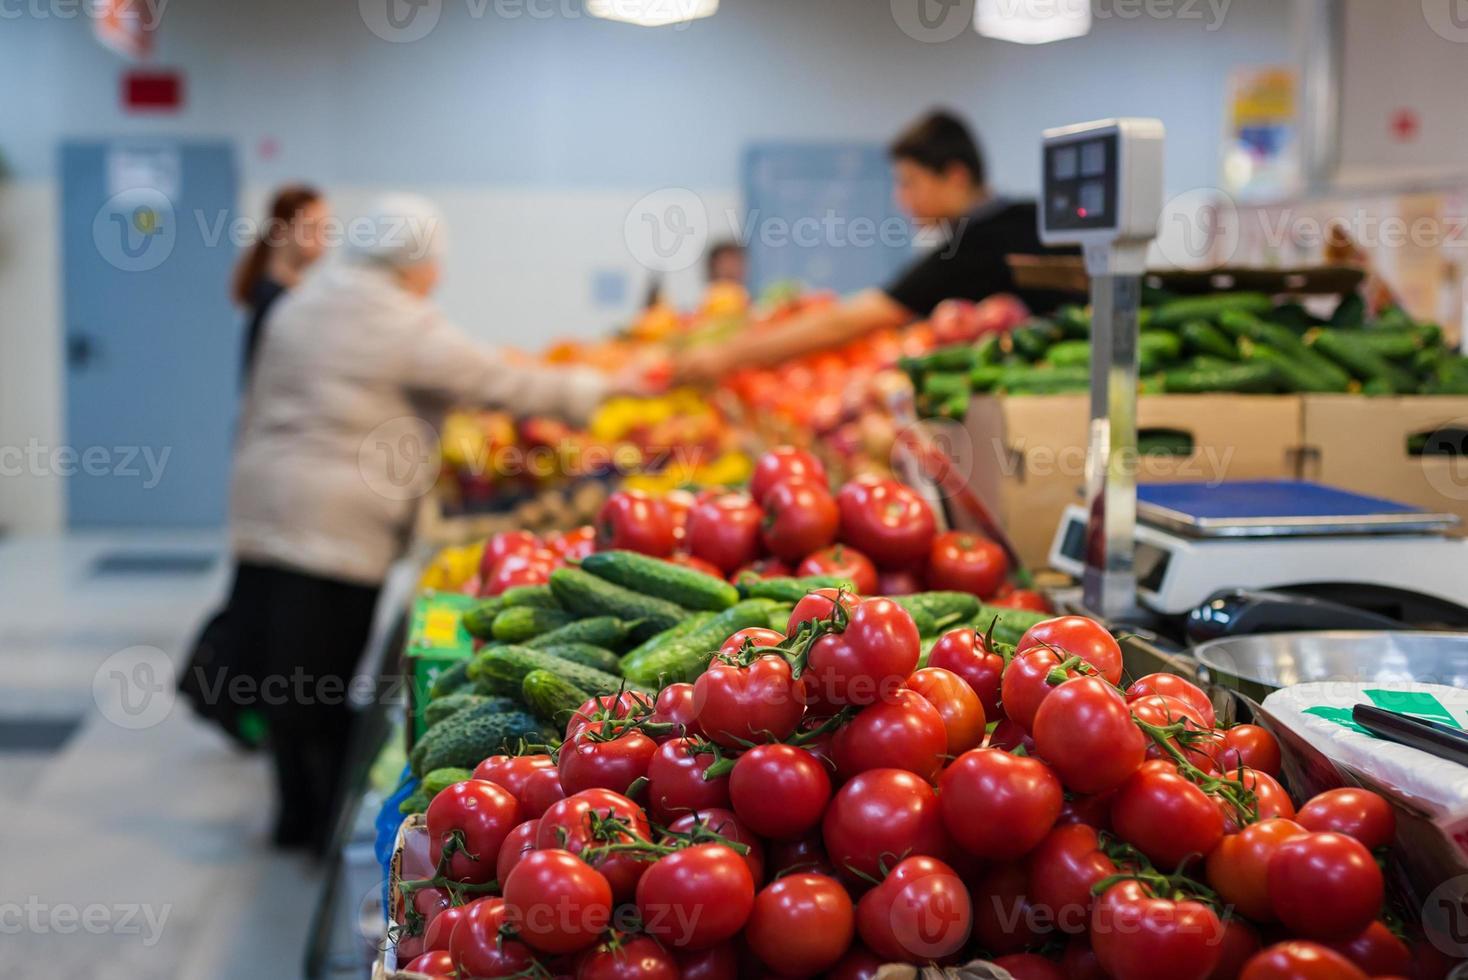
(1144, 937)
(1025, 684)
(478, 950)
(1355, 812)
(436, 934)
(557, 902)
(779, 791)
(1166, 817)
(726, 824)
(905, 732)
(590, 760)
(887, 521)
(842, 561)
(869, 660)
(964, 722)
(1251, 746)
(1173, 686)
(518, 843)
(821, 604)
(1085, 731)
(592, 818)
(436, 963)
(1061, 870)
(996, 805)
(1324, 885)
(880, 813)
(761, 701)
(542, 790)
(696, 897)
(675, 707)
(758, 637)
(480, 815)
(677, 782)
(801, 924)
(1270, 798)
(965, 562)
(920, 911)
(512, 771)
(634, 958)
(1077, 636)
(626, 704)
(1299, 960)
(965, 652)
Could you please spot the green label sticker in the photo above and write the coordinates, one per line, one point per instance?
(1417, 703)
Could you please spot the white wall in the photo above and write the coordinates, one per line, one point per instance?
(537, 134)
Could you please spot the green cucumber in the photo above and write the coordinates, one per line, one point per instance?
(940, 608)
(959, 358)
(602, 631)
(586, 595)
(1296, 374)
(686, 657)
(1074, 322)
(1156, 349)
(687, 587)
(471, 736)
(587, 654)
(1363, 362)
(1242, 378)
(1069, 353)
(520, 623)
(665, 638)
(1178, 311)
(551, 697)
(441, 709)
(786, 589)
(946, 384)
(441, 779)
(1202, 337)
(1032, 338)
(509, 665)
(989, 351)
(1029, 380)
(529, 595)
(985, 377)
(478, 619)
(449, 680)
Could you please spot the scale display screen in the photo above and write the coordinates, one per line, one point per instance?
(1080, 184)
(1150, 561)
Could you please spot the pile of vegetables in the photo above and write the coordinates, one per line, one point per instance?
(825, 797)
(1237, 342)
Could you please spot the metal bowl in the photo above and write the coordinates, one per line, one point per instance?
(1257, 665)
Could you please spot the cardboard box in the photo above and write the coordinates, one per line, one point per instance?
(412, 833)
(1026, 456)
(1371, 445)
(436, 641)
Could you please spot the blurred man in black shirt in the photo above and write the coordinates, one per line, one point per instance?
(941, 182)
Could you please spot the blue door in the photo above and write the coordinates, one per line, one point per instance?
(152, 342)
(822, 214)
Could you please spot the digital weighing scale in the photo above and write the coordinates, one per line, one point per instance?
(1103, 192)
(1193, 539)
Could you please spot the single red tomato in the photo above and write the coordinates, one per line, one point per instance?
(1077, 636)
(436, 934)
(479, 813)
(1377, 951)
(592, 761)
(521, 568)
(996, 805)
(1325, 886)
(677, 782)
(725, 531)
(785, 464)
(583, 821)
(726, 824)
(605, 707)
(503, 544)
(1061, 871)
(821, 604)
(1249, 745)
(518, 843)
(1025, 684)
(696, 897)
(634, 520)
(779, 791)
(756, 702)
(1166, 817)
(903, 733)
(1086, 732)
(1022, 599)
(679, 503)
(437, 963)
(881, 813)
(887, 521)
(631, 958)
(557, 902)
(1355, 812)
(758, 638)
(1138, 935)
(575, 544)
(963, 562)
(1298, 960)
(764, 568)
(900, 581)
(1238, 867)
(842, 562)
(477, 948)
(542, 790)
(869, 660)
(675, 706)
(964, 652)
(697, 564)
(799, 518)
(801, 924)
(964, 723)
(512, 771)
(919, 912)
(1173, 686)
(1270, 799)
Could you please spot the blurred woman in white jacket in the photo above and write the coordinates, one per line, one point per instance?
(337, 444)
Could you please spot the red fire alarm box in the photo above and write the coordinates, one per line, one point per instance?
(152, 91)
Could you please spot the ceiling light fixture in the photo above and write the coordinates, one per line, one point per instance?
(1032, 21)
(652, 13)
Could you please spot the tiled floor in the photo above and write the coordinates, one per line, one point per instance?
(135, 848)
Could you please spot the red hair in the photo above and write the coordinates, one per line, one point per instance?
(289, 201)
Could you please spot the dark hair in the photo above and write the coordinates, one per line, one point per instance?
(288, 202)
(716, 251)
(937, 140)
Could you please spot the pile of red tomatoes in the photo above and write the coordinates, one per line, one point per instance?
(817, 804)
(877, 533)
